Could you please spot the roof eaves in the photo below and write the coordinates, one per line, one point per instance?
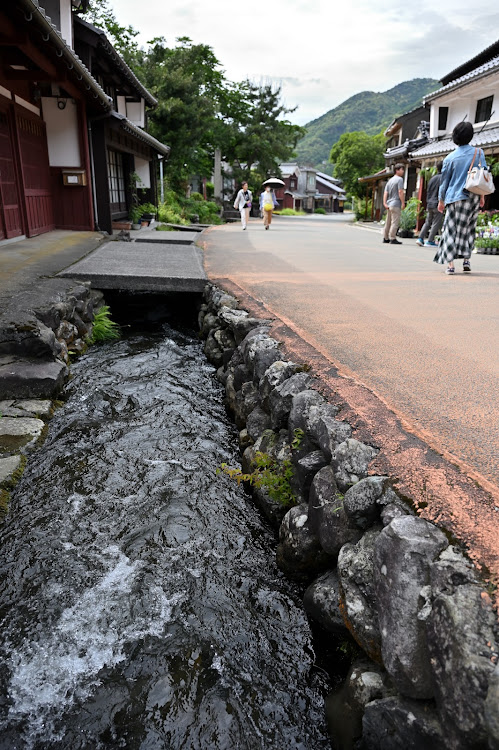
(118, 60)
(34, 12)
(143, 135)
(486, 70)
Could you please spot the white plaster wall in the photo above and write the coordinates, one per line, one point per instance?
(142, 169)
(62, 133)
(121, 105)
(462, 102)
(135, 111)
(66, 22)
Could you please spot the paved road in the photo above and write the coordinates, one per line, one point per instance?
(427, 344)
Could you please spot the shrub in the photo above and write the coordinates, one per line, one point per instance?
(196, 197)
(361, 212)
(268, 474)
(289, 212)
(409, 216)
(320, 211)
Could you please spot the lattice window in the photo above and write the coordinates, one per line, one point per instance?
(116, 178)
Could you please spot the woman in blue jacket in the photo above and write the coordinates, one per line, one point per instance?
(461, 206)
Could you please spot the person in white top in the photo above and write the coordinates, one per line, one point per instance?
(243, 204)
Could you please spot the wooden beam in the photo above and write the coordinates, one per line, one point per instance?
(27, 75)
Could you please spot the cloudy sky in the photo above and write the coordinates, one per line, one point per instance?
(320, 51)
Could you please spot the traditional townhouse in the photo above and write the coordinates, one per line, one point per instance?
(405, 133)
(60, 123)
(470, 92)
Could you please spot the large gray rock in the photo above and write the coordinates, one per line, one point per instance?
(306, 469)
(327, 515)
(322, 602)
(365, 683)
(299, 552)
(246, 400)
(323, 491)
(21, 378)
(326, 431)
(263, 358)
(462, 647)
(28, 338)
(356, 575)
(361, 501)
(404, 551)
(276, 374)
(491, 713)
(281, 398)
(396, 723)
(301, 406)
(257, 340)
(350, 461)
(335, 529)
(273, 510)
(257, 422)
(212, 349)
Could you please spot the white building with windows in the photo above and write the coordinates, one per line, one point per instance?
(471, 93)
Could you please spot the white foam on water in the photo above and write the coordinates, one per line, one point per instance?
(49, 674)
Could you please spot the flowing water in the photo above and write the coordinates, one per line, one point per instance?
(140, 604)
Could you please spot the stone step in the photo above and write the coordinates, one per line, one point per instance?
(30, 378)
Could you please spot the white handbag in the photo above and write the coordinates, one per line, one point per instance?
(479, 180)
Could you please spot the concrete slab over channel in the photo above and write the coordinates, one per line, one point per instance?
(169, 238)
(144, 266)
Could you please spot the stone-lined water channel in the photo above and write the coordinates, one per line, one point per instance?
(140, 602)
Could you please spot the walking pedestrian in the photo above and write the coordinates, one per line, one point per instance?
(461, 207)
(434, 217)
(267, 204)
(394, 202)
(243, 204)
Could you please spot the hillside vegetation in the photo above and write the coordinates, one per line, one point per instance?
(369, 111)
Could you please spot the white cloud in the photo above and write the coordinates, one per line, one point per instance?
(321, 52)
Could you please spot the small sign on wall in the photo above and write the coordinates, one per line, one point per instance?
(74, 177)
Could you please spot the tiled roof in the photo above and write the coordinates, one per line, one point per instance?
(482, 57)
(489, 137)
(118, 60)
(37, 14)
(483, 70)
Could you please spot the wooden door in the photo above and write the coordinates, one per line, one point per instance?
(35, 173)
(11, 224)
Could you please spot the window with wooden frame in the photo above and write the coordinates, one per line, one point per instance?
(484, 109)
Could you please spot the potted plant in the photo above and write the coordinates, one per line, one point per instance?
(147, 213)
(134, 215)
(409, 217)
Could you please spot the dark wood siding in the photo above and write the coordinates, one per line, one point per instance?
(11, 223)
(35, 173)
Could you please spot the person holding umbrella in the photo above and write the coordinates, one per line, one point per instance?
(268, 201)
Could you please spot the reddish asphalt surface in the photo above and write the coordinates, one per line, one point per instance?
(411, 355)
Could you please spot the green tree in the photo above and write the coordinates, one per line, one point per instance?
(264, 137)
(123, 38)
(357, 155)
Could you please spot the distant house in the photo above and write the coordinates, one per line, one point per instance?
(329, 194)
(63, 118)
(470, 92)
(306, 189)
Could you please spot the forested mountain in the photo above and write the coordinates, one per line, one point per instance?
(369, 111)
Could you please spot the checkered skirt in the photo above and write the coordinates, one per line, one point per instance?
(458, 233)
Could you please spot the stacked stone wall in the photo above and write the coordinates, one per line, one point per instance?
(374, 570)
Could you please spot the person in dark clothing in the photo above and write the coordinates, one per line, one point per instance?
(434, 218)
